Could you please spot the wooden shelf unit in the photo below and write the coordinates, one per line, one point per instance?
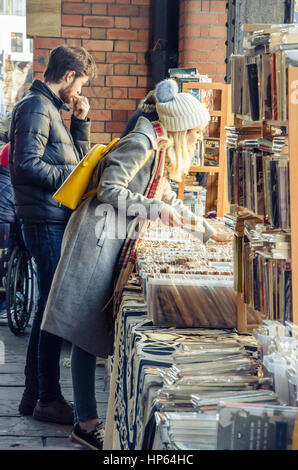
(226, 118)
(261, 129)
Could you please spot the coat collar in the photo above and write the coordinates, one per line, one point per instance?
(41, 87)
(144, 126)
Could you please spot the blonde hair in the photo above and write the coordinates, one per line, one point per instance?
(177, 153)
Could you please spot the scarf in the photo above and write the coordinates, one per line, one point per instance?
(128, 254)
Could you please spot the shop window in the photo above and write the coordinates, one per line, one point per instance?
(13, 7)
(16, 42)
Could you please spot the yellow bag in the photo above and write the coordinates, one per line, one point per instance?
(72, 191)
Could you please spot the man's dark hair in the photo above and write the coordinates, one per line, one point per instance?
(65, 58)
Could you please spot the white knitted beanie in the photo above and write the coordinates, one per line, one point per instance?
(179, 111)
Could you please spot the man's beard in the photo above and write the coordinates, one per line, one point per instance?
(67, 94)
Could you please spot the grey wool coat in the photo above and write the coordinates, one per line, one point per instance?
(83, 283)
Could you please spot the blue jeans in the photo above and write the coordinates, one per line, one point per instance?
(83, 367)
(42, 371)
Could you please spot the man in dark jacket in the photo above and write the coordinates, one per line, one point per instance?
(43, 152)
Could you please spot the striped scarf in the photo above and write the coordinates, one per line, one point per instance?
(128, 254)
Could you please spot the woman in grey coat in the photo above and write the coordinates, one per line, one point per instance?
(131, 180)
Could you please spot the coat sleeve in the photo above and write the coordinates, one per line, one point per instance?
(29, 133)
(169, 197)
(80, 131)
(124, 163)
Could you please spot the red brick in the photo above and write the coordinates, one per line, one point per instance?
(38, 67)
(120, 104)
(73, 42)
(218, 5)
(221, 69)
(205, 31)
(221, 45)
(97, 126)
(194, 6)
(121, 81)
(139, 23)
(139, 46)
(204, 56)
(122, 22)
(69, 32)
(38, 75)
(222, 18)
(99, 21)
(139, 70)
(98, 33)
(119, 115)
(97, 103)
(99, 81)
(99, 56)
(141, 2)
(141, 60)
(189, 56)
(100, 1)
(98, 45)
(115, 126)
(205, 5)
(137, 93)
(99, 9)
(100, 138)
(129, 114)
(41, 56)
(123, 58)
(191, 31)
(145, 82)
(98, 92)
(216, 56)
(123, 10)
(72, 1)
(72, 20)
(122, 1)
(121, 69)
(206, 44)
(207, 69)
(121, 46)
(144, 11)
(47, 43)
(119, 92)
(96, 115)
(144, 35)
(218, 31)
(125, 34)
(79, 8)
(105, 69)
(200, 18)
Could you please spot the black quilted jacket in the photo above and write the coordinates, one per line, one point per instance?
(42, 153)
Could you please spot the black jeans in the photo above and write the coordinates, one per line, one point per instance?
(42, 371)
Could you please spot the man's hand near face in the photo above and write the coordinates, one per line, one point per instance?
(80, 107)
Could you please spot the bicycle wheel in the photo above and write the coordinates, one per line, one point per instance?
(19, 290)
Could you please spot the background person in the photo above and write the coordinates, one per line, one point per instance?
(43, 152)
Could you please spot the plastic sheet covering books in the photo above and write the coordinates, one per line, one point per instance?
(258, 178)
(259, 77)
(267, 281)
(257, 427)
(280, 358)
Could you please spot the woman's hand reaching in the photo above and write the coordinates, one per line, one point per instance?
(222, 237)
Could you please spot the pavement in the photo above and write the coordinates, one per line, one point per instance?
(25, 433)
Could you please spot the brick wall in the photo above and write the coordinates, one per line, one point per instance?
(202, 36)
(117, 34)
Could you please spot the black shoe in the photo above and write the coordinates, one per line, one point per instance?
(27, 405)
(93, 440)
(57, 411)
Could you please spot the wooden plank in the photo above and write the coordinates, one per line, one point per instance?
(21, 443)
(293, 145)
(43, 18)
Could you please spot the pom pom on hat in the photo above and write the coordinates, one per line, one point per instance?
(179, 111)
(166, 90)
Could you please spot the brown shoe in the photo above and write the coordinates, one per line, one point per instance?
(57, 411)
(27, 405)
